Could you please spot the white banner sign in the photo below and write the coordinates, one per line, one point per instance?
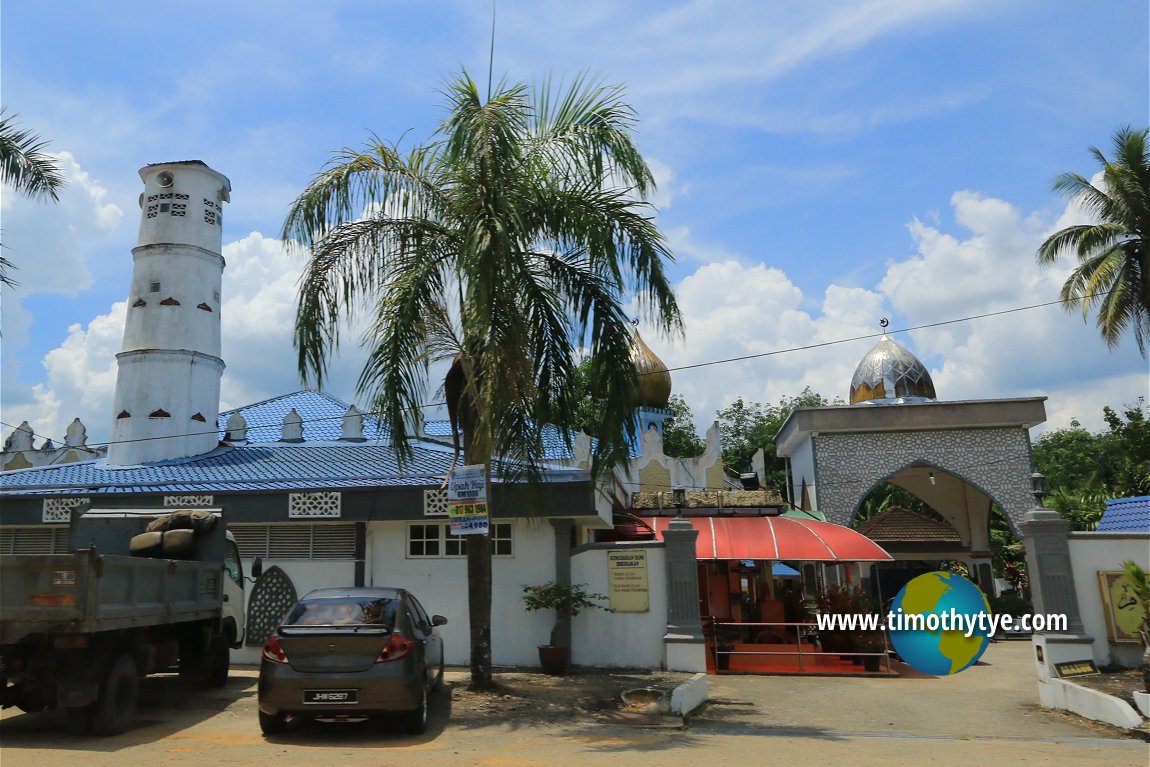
(467, 500)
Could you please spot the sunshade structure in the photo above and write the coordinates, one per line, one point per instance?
(775, 538)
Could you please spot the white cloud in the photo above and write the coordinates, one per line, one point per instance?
(734, 309)
(50, 241)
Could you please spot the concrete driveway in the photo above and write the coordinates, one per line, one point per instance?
(989, 710)
(983, 716)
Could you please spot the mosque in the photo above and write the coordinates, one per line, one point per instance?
(313, 484)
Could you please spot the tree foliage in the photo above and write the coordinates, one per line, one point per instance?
(26, 168)
(1084, 469)
(744, 427)
(680, 438)
(524, 222)
(1113, 272)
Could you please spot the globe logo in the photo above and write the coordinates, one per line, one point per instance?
(939, 623)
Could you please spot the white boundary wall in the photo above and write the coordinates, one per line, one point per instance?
(1089, 554)
(619, 640)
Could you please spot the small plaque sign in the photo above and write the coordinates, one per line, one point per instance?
(1076, 668)
(627, 581)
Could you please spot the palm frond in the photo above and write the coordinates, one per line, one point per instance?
(24, 165)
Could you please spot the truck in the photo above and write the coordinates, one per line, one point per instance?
(141, 592)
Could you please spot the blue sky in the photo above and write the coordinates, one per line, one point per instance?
(821, 165)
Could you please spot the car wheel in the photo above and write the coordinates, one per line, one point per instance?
(415, 721)
(114, 709)
(272, 724)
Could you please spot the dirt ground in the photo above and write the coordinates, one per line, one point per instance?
(1120, 684)
(541, 699)
(986, 715)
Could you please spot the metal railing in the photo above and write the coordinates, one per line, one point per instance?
(804, 632)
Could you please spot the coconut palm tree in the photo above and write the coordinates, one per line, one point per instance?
(26, 168)
(1113, 270)
(523, 222)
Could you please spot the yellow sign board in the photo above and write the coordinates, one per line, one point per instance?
(1124, 611)
(627, 584)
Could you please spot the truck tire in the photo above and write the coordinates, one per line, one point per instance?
(114, 710)
(219, 660)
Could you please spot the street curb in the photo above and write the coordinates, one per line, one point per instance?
(689, 695)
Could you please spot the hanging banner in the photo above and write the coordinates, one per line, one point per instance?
(627, 581)
(467, 500)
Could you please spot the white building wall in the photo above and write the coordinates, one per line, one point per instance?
(619, 640)
(306, 575)
(1091, 553)
(440, 584)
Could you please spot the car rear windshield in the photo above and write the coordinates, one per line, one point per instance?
(343, 612)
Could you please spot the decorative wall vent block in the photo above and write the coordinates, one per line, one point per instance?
(187, 501)
(199, 417)
(124, 414)
(205, 307)
(435, 503)
(322, 505)
(161, 413)
(139, 302)
(169, 301)
(60, 509)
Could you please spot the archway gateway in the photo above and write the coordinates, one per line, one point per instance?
(958, 457)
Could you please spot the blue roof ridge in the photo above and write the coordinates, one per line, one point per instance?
(295, 393)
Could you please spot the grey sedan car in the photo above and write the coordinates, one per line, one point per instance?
(348, 653)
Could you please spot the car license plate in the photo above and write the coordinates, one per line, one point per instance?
(320, 697)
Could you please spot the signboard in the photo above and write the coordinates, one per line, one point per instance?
(627, 584)
(1076, 668)
(467, 501)
(1124, 611)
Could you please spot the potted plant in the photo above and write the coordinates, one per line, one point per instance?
(567, 601)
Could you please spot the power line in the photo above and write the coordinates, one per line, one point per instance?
(776, 352)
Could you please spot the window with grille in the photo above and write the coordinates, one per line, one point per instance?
(436, 540)
(295, 541)
(45, 539)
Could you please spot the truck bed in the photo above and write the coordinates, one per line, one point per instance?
(88, 592)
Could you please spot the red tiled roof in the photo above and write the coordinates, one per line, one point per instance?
(899, 524)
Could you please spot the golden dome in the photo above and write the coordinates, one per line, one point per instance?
(891, 374)
(654, 380)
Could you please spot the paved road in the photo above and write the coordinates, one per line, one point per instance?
(983, 716)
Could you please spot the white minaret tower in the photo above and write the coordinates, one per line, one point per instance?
(168, 383)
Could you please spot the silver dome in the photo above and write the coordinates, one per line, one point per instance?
(889, 374)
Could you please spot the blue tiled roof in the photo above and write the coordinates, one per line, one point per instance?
(248, 467)
(1126, 515)
(322, 417)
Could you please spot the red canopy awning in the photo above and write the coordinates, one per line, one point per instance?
(777, 538)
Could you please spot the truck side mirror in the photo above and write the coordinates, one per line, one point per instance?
(257, 568)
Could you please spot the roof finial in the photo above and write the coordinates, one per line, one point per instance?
(884, 323)
(635, 322)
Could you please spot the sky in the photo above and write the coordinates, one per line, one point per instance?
(820, 166)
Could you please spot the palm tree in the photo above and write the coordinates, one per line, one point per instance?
(1113, 270)
(25, 167)
(524, 222)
